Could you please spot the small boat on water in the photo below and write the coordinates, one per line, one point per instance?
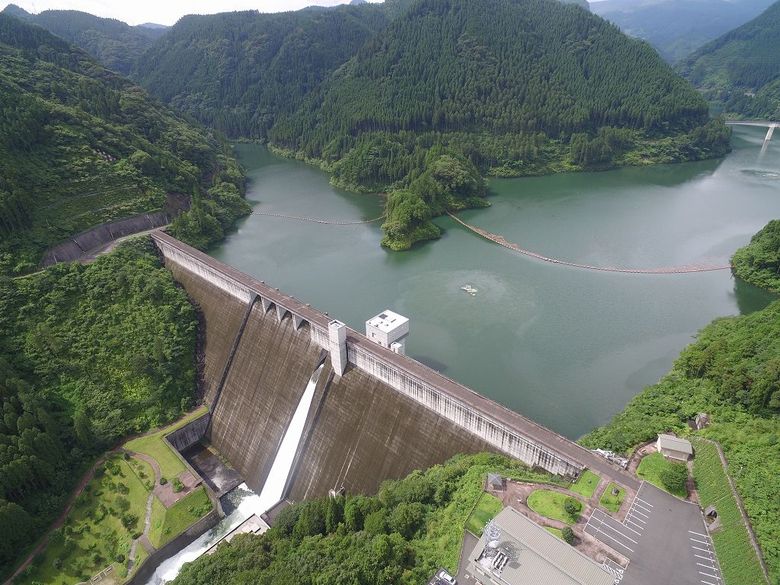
(469, 289)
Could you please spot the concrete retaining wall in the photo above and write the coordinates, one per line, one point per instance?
(223, 292)
(146, 570)
(185, 437)
(94, 238)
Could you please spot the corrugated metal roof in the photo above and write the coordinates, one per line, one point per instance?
(536, 556)
(675, 444)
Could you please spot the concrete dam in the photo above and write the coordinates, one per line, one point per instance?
(375, 414)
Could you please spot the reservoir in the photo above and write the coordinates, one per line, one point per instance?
(565, 346)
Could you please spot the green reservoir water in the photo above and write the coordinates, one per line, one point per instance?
(565, 346)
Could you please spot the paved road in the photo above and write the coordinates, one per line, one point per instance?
(469, 542)
(665, 539)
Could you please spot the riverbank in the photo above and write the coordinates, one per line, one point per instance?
(428, 174)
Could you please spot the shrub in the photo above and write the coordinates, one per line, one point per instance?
(674, 477)
(163, 481)
(407, 519)
(376, 522)
(572, 507)
(129, 521)
(177, 485)
(568, 535)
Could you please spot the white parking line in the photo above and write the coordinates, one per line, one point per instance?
(645, 508)
(707, 566)
(644, 502)
(632, 530)
(709, 575)
(613, 539)
(613, 529)
(699, 548)
(633, 511)
(709, 558)
(639, 527)
(707, 582)
(699, 534)
(699, 541)
(636, 518)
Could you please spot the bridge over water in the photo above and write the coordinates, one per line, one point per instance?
(769, 125)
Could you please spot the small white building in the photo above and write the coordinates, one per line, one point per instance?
(389, 330)
(673, 447)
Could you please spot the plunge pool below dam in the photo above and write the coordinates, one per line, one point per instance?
(564, 346)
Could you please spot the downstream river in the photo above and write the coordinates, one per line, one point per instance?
(565, 346)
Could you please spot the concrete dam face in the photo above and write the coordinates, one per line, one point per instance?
(375, 415)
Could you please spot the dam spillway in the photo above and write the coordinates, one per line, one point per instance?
(375, 415)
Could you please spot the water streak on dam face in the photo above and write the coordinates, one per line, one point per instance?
(386, 416)
(275, 483)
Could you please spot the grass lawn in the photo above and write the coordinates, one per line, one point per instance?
(550, 505)
(738, 560)
(143, 471)
(444, 538)
(556, 531)
(487, 507)
(650, 469)
(94, 535)
(610, 502)
(586, 484)
(154, 446)
(167, 524)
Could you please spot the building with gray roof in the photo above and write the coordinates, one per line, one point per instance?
(517, 551)
(674, 447)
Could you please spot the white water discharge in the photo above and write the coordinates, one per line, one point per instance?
(247, 501)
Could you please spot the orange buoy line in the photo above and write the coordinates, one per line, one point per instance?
(321, 221)
(501, 241)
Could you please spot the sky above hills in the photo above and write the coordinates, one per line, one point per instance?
(167, 12)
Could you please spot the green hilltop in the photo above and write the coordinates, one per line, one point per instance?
(115, 44)
(80, 145)
(740, 71)
(506, 87)
(238, 71)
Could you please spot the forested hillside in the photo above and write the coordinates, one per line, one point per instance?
(515, 86)
(238, 71)
(676, 28)
(87, 355)
(732, 372)
(759, 262)
(400, 536)
(740, 71)
(113, 43)
(80, 145)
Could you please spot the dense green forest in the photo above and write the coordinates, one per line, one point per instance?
(237, 72)
(113, 43)
(80, 145)
(401, 536)
(676, 28)
(759, 262)
(740, 71)
(509, 87)
(517, 87)
(732, 372)
(88, 355)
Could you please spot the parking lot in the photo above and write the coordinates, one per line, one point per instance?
(664, 538)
